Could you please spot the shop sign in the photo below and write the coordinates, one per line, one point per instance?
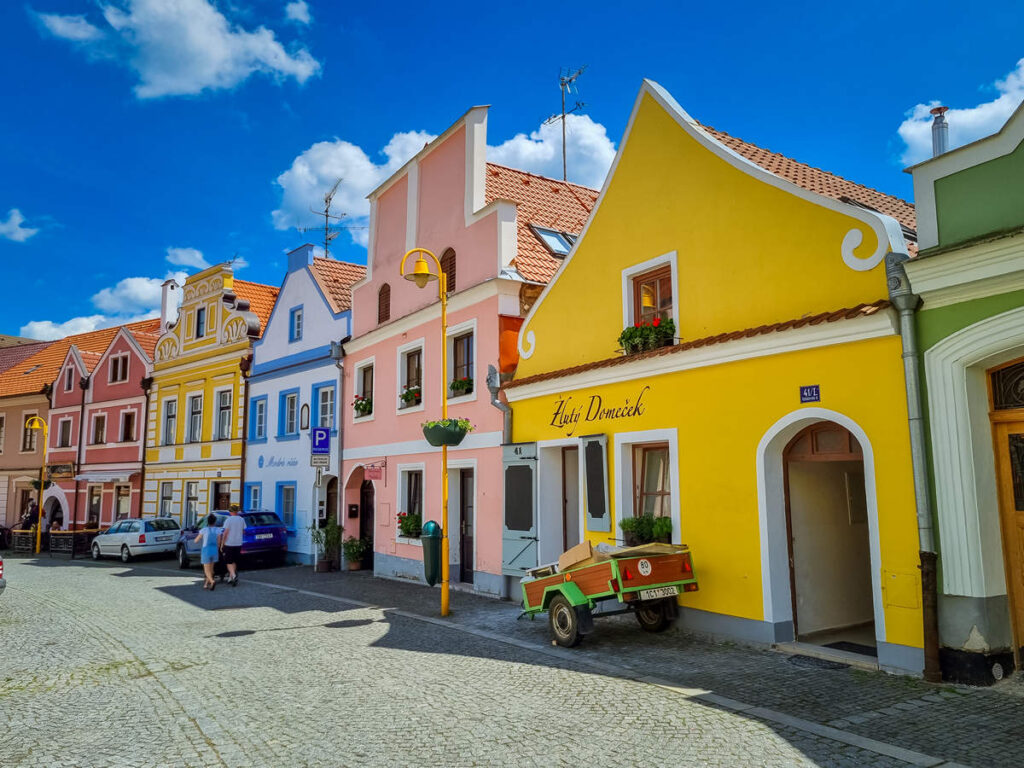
(275, 461)
(373, 473)
(810, 394)
(570, 413)
(60, 471)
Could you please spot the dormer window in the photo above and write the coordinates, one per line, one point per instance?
(118, 368)
(295, 325)
(69, 379)
(200, 322)
(559, 243)
(384, 304)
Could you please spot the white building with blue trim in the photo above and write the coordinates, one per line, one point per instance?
(295, 384)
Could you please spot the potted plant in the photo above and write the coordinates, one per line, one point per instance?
(645, 529)
(461, 386)
(645, 335)
(363, 406)
(446, 431)
(328, 540)
(355, 550)
(411, 395)
(410, 524)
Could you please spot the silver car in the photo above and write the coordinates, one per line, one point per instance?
(134, 536)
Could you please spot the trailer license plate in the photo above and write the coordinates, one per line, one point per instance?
(654, 594)
(264, 535)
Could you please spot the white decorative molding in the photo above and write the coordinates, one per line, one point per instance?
(771, 507)
(882, 323)
(630, 272)
(975, 272)
(963, 459)
(473, 441)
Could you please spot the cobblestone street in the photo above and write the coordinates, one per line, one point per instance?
(111, 665)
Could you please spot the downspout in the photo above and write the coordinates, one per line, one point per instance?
(338, 355)
(906, 302)
(245, 365)
(83, 384)
(147, 388)
(494, 385)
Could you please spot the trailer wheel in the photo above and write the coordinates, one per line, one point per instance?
(655, 616)
(564, 623)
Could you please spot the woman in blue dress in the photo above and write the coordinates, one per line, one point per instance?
(209, 538)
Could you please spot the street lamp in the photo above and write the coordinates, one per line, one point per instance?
(37, 422)
(421, 275)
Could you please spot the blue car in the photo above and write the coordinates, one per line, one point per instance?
(265, 538)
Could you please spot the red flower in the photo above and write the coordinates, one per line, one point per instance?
(657, 322)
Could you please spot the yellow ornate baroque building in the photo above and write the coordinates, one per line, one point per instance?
(194, 445)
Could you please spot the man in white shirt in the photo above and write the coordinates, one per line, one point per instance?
(233, 528)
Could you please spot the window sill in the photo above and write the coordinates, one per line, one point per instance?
(456, 399)
(410, 409)
(285, 438)
(257, 440)
(361, 419)
(413, 541)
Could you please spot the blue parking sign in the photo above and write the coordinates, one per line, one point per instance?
(321, 441)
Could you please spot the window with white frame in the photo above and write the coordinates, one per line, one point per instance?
(559, 243)
(99, 429)
(460, 353)
(118, 368)
(122, 501)
(95, 506)
(295, 324)
(325, 407)
(28, 435)
(290, 414)
(200, 322)
(254, 497)
(652, 484)
(127, 426)
(166, 497)
(363, 401)
(191, 503)
(64, 433)
(195, 419)
(170, 421)
(411, 371)
(259, 419)
(286, 506)
(410, 501)
(69, 379)
(224, 414)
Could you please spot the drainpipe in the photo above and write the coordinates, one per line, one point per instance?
(906, 302)
(338, 355)
(245, 366)
(147, 388)
(494, 386)
(83, 384)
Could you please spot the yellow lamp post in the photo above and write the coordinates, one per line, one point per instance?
(421, 275)
(37, 422)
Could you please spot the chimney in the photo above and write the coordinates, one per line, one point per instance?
(168, 304)
(940, 131)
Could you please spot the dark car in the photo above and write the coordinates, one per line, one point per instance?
(3, 581)
(265, 538)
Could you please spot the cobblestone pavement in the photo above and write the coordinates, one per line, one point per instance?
(107, 665)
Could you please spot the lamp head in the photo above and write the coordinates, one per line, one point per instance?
(421, 274)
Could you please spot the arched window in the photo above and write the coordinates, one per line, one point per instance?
(448, 265)
(384, 304)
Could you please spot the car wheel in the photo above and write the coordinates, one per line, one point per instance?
(96, 552)
(182, 557)
(126, 555)
(564, 623)
(655, 616)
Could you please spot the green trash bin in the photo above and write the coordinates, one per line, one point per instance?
(430, 537)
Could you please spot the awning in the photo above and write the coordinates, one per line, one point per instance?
(110, 476)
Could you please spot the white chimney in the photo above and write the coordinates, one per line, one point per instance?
(168, 304)
(940, 131)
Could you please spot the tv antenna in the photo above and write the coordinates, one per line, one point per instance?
(566, 83)
(330, 230)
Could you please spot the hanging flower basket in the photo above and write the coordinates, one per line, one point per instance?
(446, 431)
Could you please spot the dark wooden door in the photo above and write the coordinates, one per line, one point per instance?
(466, 562)
(222, 495)
(366, 502)
(332, 499)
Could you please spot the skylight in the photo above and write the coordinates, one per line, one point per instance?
(559, 243)
(29, 370)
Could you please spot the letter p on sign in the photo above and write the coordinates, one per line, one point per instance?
(321, 441)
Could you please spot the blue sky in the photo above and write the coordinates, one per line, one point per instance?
(144, 138)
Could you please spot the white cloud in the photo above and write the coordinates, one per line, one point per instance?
(316, 170)
(47, 330)
(965, 125)
(75, 28)
(186, 257)
(238, 263)
(298, 12)
(133, 294)
(12, 229)
(589, 151)
(184, 47)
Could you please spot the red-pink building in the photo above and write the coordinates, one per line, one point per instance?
(97, 431)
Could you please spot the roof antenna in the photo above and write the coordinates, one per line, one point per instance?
(566, 82)
(330, 230)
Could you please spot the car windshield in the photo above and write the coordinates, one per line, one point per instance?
(263, 518)
(161, 525)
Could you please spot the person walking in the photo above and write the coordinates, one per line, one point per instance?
(210, 539)
(233, 528)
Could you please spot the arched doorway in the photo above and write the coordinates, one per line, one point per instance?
(829, 544)
(331, 503)
(366, 519)
(53, 513)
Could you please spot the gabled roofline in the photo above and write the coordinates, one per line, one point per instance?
(74, 352)
(887, 229)
(132, 341)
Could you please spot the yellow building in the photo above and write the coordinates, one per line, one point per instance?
(772, 430)
(194, 444)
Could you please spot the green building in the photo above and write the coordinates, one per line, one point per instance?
(969, 274)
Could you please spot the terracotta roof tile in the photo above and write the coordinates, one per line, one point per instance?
(261, 298)
(822, 182)
(33, 373)
(336, 279)
(147, 340)
(11, 356)
(849, 313)
(543, 202)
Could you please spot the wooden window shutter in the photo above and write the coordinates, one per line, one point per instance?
(448, 265)
(384, 304)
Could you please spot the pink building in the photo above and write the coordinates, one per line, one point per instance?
(500, 234)
(97, 430)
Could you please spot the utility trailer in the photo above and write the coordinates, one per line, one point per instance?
(645, 580)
